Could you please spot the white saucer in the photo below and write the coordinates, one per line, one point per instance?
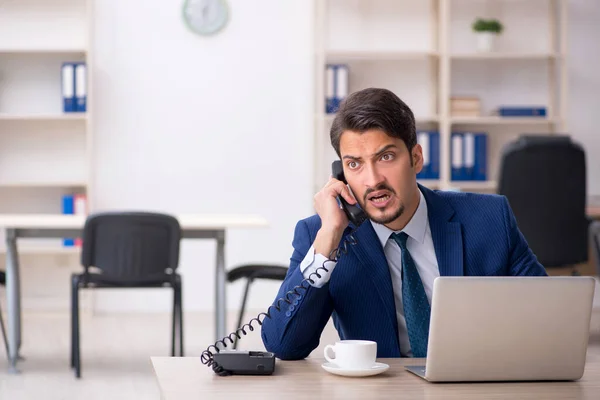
(376, 369)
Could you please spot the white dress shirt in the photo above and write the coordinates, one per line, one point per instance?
(420, 247)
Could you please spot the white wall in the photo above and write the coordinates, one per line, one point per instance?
(188, 124)
(223, 124)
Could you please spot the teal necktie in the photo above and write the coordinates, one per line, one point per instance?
(416, 306)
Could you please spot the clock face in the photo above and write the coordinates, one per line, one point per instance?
(205, 17)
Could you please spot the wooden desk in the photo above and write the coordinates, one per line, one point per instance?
(61, 226)
(187, 378)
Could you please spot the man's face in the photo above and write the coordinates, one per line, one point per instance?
(378, 169)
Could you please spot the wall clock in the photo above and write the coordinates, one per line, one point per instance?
(205, 17)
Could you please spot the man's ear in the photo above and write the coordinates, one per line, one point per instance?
(417, 158)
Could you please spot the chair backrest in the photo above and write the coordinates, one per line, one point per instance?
(131, 245)
(544, 179)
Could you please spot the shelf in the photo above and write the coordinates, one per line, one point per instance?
(44, 117)
(504, 56)
(502, 120)
(24, 249)
(22, 185)
(474, 185)
(41, 50)
(382, 55)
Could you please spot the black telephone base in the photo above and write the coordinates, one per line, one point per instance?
(245, 362)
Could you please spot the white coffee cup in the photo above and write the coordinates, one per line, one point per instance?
(352, 354)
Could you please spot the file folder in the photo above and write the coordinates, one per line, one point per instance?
(81, 87)
(329, 89)
(480, 170)
(341, 85)
(457, 159)
(423, 140)
(68, 207)
(469, 155)
(68, 87)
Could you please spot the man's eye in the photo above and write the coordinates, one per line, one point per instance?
(387, 157)
(352, 164)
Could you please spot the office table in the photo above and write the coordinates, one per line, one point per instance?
(184, 378)
(61, 226)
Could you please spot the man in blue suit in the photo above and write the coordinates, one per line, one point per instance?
(381, 288)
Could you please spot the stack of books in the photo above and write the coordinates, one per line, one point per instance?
(465, 106)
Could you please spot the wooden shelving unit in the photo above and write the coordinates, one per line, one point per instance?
(45, 153)
(426, 53)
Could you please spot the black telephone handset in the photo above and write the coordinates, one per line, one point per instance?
(233, 362)
(354, 213)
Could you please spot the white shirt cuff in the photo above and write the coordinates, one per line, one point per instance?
(311, 263)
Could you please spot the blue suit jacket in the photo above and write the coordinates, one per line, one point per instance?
(473, 235)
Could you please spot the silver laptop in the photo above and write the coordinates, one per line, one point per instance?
(508, 329)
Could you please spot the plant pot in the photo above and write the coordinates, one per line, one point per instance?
(485, 41)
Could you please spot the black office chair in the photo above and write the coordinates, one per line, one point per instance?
(252, 272)
(128, 250)
(544, 179)
(3, 282)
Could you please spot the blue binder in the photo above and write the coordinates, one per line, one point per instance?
(430, 142)
(522, 111)
(457, 171)
(68, 207)
(480, 170)
(80, 87)
(68, 86)
(341, 85)
(329, 89)
(424, 139)
(434, 147)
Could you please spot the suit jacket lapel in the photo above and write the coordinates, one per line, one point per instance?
(446, 234)
(370, 253)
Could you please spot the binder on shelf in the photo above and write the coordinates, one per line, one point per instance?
(329, 89)
(341, 85)
(68, 86)
(480, 172)
(336, 86)
(423, 140)
(430, 143)
(469, 156)
(68, 208)
(522, 111)
(457, 157)
(80, 87)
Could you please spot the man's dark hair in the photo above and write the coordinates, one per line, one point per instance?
(374, 108)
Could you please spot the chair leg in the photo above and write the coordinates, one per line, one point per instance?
(4, 334)
(75, 357)
(242, 309)
(174, 321)
(180, 314)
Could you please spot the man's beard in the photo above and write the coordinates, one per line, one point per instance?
(383, 219)
(387, 219)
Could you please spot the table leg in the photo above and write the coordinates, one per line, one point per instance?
(13, 300)
(220, 317)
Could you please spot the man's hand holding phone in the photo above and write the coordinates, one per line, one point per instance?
(333, 218)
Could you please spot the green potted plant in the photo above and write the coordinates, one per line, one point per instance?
(486, 30)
